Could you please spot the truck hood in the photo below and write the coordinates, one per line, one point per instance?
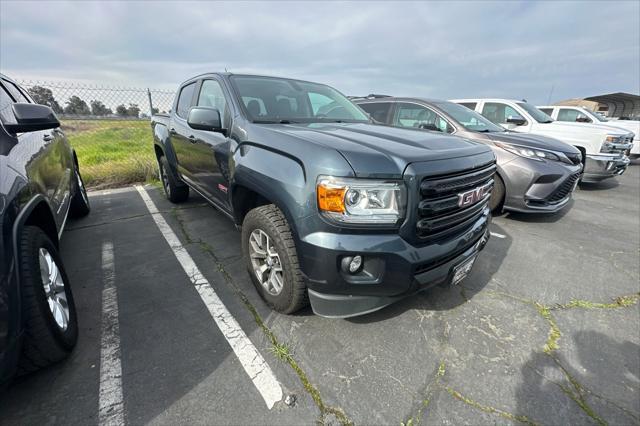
(376, 150)
(632, 127)
(583, 127)
(532, 141)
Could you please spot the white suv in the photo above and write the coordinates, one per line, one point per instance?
(576, 114)
(600, 145)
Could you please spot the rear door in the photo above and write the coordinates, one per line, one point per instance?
(181, 134)
(210, 168)
(42, 155)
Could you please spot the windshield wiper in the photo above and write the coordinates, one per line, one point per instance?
(274, 121)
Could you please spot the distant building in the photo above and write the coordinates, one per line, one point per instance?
(612, 105)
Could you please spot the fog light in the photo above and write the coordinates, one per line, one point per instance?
(355, 264)
(351, 265)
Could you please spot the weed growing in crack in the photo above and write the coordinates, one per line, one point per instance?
(279, 350)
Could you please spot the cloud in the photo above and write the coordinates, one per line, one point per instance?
(435, 49)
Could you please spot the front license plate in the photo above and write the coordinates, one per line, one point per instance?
(461, 271)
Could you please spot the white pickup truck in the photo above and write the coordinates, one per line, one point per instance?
(602, 147)
(576, 114)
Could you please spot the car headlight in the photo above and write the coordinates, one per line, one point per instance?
(613, 139)
(361, 201)
(533, 153)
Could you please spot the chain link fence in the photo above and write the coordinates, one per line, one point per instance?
(107, 126)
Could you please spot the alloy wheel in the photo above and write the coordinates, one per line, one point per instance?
(266, 262)
(54, 290)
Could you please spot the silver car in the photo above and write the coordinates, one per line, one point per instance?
(535, 173)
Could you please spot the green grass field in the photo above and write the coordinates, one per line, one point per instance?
(112, 153)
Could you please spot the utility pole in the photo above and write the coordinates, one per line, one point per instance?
(550, 93)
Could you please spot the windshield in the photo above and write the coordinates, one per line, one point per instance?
(599, 117)
(535, 113)
(280, 100)
(470, 120)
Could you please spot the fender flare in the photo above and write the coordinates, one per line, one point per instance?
(17, 229)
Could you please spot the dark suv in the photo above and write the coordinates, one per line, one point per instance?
(40, 185)
(334, 208)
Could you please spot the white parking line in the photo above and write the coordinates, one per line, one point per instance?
(110, 402)
(253, 363)
(495, 234)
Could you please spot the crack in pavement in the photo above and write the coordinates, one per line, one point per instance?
(276, 346)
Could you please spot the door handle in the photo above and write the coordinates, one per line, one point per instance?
(47, 138)
(172, 131)
(192, 139)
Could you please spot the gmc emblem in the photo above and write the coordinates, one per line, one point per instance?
(468, 198)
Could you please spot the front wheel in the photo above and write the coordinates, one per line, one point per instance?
(49, 314)
(272, 261)
(497, 195)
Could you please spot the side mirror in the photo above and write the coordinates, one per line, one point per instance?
(32, 117)
(204, 118)
(429, 126)
(518, 121)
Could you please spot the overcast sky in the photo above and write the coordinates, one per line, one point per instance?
(435, 49)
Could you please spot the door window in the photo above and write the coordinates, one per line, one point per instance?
(211, 95)
(184, 101)
(16, 93)
(470, 105)
(6, 113)
(499, 113)
(548, 111)
(572, 115)
(379, 111)
(417, 116)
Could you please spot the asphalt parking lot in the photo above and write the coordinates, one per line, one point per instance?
(546, 329)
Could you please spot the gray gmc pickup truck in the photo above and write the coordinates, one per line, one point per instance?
(334, 209)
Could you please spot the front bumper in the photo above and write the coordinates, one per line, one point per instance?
(603, 166)
(538, 186)
(393, 268)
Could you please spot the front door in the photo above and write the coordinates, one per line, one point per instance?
(501, 113)
(211, 149)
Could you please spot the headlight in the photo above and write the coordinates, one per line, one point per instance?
(533, 153)
(361, 201)
(613, 139)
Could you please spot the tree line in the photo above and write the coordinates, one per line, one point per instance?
(77, 106)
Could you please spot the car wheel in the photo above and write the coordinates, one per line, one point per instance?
(272, 261)
(48, 312)
(497, 195)
(175, 192)
(80, 202)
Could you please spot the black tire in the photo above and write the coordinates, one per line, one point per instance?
(176, 191)
(80, 206)
(271, 221)
(44, 342)
(496, 202)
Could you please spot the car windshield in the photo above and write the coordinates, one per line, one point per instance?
(280, 100)
(534, 112)
(599, 117)
(470, 120)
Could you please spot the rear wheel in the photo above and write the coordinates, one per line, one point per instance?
(80, 202)
(175, 191)
(48, 311)
(496, 202)
(272, 261)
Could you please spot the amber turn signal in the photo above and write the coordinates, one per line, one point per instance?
(330, 199)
